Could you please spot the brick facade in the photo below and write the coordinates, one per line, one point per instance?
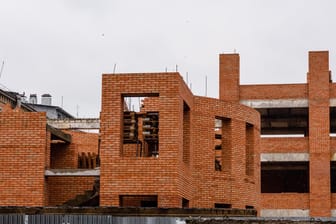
(65, 156)
(319, 92)
(22, 158)
(26, 151)
(183, 173)
(181, 150)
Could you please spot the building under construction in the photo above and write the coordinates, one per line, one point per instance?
(264, 147)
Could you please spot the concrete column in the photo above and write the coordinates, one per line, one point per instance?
(319, 140)
(229, 77)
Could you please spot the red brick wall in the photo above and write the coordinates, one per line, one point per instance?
(62, 189)
(319, 140)
(285, 201)
(22, 158)
(229, 77)
(318, 91)
(333, 201)
(273, 91)
(332, 91)
(66, 155)
(171, 176)
(231, 185)
(63, 156)
(284, 145)
(142, 176)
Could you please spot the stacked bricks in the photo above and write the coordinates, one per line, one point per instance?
(22, 158)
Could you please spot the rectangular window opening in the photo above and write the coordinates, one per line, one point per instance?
(222, 205)
(285, 177)
(186, 133)
(218, 144)
(333, 176)
(140, 125)
(249, 150)
(284, 121)
(185, 203)
(222, 143)
(138, 201)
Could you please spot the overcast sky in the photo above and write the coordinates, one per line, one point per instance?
(62, 47)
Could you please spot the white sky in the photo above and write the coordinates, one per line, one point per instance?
(62, 47)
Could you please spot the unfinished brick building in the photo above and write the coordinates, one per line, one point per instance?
(268, 147)
(178, 150)
(38, 163)
(297, 145)
(202, 152)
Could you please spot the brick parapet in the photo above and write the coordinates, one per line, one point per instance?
(273, 91)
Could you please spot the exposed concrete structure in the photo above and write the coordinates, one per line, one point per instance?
(181, 150)
(79, 123)
(276, 103)
(284, 213)
(72, 172)
(283, 157)
(298, 175)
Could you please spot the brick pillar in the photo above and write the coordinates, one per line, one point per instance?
(229, 77)
(238, 164)
(319, 140)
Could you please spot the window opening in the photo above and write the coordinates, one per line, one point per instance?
(185, 203)
(140, 126)
(218, 144)
(222, 205)
(283, 177)
(249, 150)
(186, 133)
(138, 200)
(333, 176)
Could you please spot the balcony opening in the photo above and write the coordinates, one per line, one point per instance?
(285, 177)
